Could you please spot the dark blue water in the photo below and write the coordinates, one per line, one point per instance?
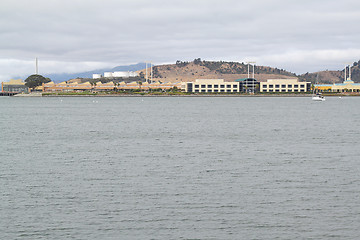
(179, 168)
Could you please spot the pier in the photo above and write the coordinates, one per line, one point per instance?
(8, 93)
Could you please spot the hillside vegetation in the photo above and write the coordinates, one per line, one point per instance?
(230, 71)
(333, 76)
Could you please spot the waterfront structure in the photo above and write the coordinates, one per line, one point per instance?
(210, 86)
(248, 85)
(285, 85)
(14, 86)
(109, 86)
(347, 86)
(323, 87)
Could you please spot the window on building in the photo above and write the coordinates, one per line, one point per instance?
(216, 86)
(228, 86)
(209, 86)
(296, 86)
(235, 86)
(264, 86)
(196, 85)
(203, 86)
(277, 86)
(271, 86)
(289, 86)
(203, 90)
(222, 86)
(216, 90)
(209, 90)
(222, 90)
(283, 85)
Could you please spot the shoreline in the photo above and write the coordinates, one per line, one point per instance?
(181, 95)
(202, 95)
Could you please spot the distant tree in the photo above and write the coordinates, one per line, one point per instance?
(142, 75)
(197, 61)
(36, 80)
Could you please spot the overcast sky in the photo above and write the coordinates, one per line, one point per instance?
(79, 35)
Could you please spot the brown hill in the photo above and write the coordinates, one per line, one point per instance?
(323, 77)
(333, 76)
(197, 69)
(230, 71)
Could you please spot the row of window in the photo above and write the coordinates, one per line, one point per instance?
(215, 86)
(284, 86)
(15, 89)
(215, 90)
(283, 90)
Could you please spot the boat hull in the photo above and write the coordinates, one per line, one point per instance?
(319, 99)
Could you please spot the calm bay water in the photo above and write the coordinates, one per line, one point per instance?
(179, 168)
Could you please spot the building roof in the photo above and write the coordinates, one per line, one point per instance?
(14, 82)
(49, 84)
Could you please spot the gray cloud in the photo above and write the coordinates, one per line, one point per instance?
(299, 36)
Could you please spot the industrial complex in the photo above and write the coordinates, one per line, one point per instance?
(115, 81)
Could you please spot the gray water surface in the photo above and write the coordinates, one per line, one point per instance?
(179, 168)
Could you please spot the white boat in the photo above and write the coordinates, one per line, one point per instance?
(317, 96)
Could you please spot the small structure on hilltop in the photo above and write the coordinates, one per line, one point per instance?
(124, 74)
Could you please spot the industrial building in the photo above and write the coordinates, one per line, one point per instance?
(347, 86)
(248, 85)
(210, 86)
(14, 86)
(109, 86)
(285, 85)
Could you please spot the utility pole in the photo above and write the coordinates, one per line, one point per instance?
(248, 70)
(151, 72)
(146, 73)
(253, 75)
(349, 72)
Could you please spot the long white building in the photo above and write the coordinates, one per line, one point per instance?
(211, 86)
(285, 85)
